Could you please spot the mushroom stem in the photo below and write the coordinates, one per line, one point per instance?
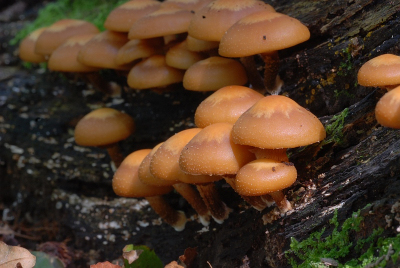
(115, 154)
(282, 203)
(254, 76)
(175, 218)
(271, 60)
(257, 202)
(218, 209)
(274, 154)
(194, 199)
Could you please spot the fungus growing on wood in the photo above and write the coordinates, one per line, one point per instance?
(105, 127)
(213, 73)
(267, 176)
(212, 21)
(153, 72)
(387, 110)
(382, 71)
(212, 152)
(137, 49)
(180, 57)
(27, 47)
(226, 104)
(57, 33)
(121, 18)
(126, 183)
(165, 165)
(264, 33)
(184, 189)
(191, 5)
(197, 45)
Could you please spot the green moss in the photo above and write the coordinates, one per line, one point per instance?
(335, 129)
(94, 11)
(347, 65)
(338, 247)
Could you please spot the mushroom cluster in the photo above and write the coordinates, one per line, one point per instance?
(384, 72)
(158, 44)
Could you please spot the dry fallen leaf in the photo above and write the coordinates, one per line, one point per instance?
(104, 265)
(173, 264)
(132, 255)
(11, 257)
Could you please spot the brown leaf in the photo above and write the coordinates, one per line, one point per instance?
(188, 256)
(11, 257)
(173, 264)
(104, 265)
(132, 255)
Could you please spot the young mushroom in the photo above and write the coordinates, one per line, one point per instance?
(387, 110)
(104, 128)
(126, 183)
(27, 48)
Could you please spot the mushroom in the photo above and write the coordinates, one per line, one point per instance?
(274, 124)
(225, 105)
(212, 152)
(191, 5)
(137, 49)
(266, 176)
(105, 127)
(180, 57)
(57, 33)
(165, 165)
(213, 73)
(184, 189)
(382, 71)
(27, 47)
(121, 18)
(387, 110)
(153, 72)
(264, 33)
(126, 183)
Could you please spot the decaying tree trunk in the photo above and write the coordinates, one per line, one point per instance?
(45, 176)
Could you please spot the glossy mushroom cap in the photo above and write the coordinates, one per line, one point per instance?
(192, 5)
(65, 57)
(102, 127)
(381, 71)
(180, 57)
(138, 49)
(226, 104)
(126, 180)
(212, 21)
(263, 176)
(261, 32)
(212, 152)
(213, 73)
(56, 34)
(276, 122)
(153, 72)
(27, 47)
(165, 161)
(387, 110)
(102, 50)
(197, 45)
(121, 18)
(168, 20)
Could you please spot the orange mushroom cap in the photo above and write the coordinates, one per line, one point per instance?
(102, 127)
(180, 57)
(27, 47)
(277, 122)
(138, 49)
(380, 71)
(261, 32)
(387, 110)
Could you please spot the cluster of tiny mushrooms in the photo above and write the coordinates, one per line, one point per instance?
(241, 135)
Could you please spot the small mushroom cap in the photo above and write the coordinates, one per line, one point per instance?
(380, 71)
(145, 175)
(197, 45)
(165, 161)
(212, 21)
(56, 34)
(213, 73)
(180, 57)
(102, 50)
(27, 47)
(387, 110)
(263, 176)
(102, 127)
(168, 20)
(277, 122)
(153, 72)
(121, 18)
(261, 32)
(212, 152)
(138, 49)
(226, 104)
(65, 57)
(192, 5)
(126, 179)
